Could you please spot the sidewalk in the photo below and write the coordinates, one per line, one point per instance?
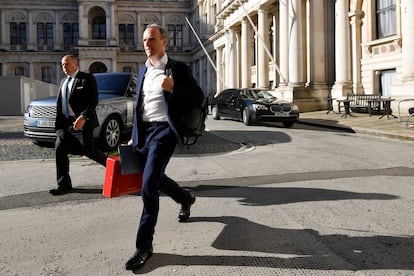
(360, 123)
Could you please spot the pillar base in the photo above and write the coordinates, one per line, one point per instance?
(307, 99)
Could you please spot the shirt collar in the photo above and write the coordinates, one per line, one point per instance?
(159, 65)
(74, 74)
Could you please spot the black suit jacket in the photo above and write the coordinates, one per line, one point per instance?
(83, 100)
(186, 93)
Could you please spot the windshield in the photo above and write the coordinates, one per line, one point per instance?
(112, 84)
(256, 94)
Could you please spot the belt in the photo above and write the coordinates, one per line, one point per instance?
(150, 124)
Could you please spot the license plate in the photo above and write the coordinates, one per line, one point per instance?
(43, 123)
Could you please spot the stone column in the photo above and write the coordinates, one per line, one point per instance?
(2, 31)
(407, 26)
(83, 27)
(57, 33)
(31, 31)
(317, 45)
(112, 32)
(356, 22)
(262, 57)
(231, 59)
(283, 42)
(296, 63)
(246, 62)
(342, 84)
(220, 84)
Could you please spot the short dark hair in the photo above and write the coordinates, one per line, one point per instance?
(163, 31)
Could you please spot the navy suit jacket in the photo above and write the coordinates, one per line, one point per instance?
(186, 93)
(83, 100)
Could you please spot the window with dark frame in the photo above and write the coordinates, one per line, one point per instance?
(70, 35)
(175, 36)
(18, 33)
(45, 34)
(98, 28)
(126, 34)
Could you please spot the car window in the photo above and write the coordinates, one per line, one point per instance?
(259, 95)
(112, 84)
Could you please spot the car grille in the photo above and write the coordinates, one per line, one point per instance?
(280, 108)
(43, 111)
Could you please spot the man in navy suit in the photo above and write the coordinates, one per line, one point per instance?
(165, 89)
(76, 103)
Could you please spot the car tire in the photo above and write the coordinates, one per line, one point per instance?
(288, 124)
(111, 133)
(246, 117)
(215, 113)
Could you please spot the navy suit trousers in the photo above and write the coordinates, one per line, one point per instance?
(159, 146)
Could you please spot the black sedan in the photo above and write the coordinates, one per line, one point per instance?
(253, 106)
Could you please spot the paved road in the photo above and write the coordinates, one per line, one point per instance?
(300, 201)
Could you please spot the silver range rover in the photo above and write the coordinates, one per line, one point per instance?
(115, 112)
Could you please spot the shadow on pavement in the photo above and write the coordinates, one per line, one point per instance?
(312, 250)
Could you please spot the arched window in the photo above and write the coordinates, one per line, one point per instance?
(98, 27)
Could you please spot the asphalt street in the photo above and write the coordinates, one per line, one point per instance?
(273, 201)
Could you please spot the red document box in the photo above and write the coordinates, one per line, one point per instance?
(117, 184)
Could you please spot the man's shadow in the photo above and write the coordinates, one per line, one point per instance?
(309, 248)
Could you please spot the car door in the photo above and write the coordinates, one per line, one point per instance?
(223, 103)
(234, 104)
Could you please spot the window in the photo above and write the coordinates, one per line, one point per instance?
(127, 69)
(70, 35)
(18, 33)
(175, 36)
(45, 34)
(98, 28)
(46, 74)
(386, 18)
(387, 79)
(19, 71)
(126, 34)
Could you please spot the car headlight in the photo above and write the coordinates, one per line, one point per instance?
(28, 109)
(259, 107)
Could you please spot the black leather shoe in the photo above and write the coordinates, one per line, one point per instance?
(184, 214)
(139, 259)
(61, 191)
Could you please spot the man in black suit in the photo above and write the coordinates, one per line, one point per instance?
(76, 103)
(165, 88)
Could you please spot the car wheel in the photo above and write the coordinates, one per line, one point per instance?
(215, 113)
(288, 124)
(111, 133)
(246, 117)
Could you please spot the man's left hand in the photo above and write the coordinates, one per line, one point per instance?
(78, 124)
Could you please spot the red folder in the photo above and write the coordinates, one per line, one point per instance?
(117, 184)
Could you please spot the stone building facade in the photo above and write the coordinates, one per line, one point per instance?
(106, 35)
(303, 50)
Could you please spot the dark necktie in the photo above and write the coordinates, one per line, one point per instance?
(65, 94)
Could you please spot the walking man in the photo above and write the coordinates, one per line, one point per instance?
(76, 103)
(165, 88)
